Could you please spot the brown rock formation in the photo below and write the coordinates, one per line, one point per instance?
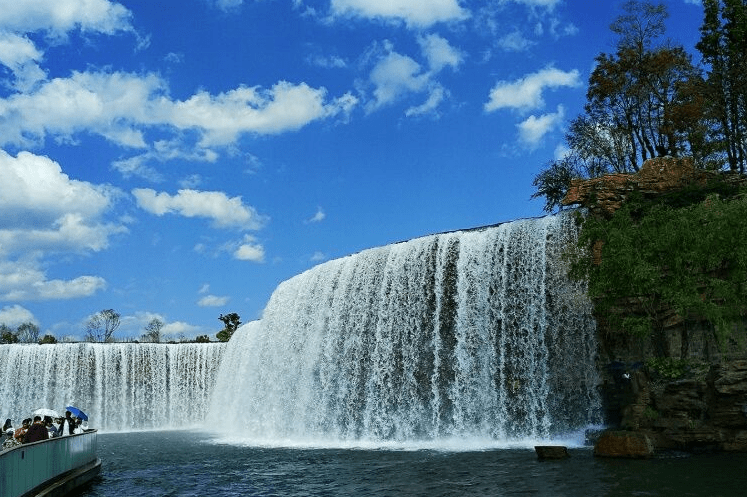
(606, 194)
(628, 444)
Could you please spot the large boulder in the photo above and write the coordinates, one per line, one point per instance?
(625, 444)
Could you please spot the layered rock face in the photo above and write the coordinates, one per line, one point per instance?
(604, 195)
(694, 414)
(708, 409)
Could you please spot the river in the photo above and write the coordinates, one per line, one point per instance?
(192, 463)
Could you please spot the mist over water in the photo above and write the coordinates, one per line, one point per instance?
(121, 386)
(474, 335)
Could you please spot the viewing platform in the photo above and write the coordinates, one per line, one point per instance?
(50, 468)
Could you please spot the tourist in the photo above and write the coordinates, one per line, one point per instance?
(8, 425)
(51, 428)
(20, 433)
(36, 432)
(70, 422)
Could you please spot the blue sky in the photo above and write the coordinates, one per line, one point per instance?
(179, 159)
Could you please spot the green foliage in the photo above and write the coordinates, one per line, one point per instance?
(7, 335)
(667, 367)
(231, 323)
(48, 339)
(684, 252)
(202, 339)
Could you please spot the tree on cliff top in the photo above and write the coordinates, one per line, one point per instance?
(642, 102)
(723, 45)
(231, 323)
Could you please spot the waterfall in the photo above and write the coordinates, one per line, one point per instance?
(120, 386)
(471, 334)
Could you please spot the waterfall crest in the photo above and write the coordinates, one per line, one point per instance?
(120, 386)
(465, 334)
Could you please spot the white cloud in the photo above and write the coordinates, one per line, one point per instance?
(249, 250)
(414, 13)
(124, 107)
(318, 216)
(395, 76)
(439, 52)
(224, 211)
(526, 93)
(548, 4)
(534, 128)
(285, 107)
(213, 301)
(45, 210)
(318, 256)
(178, 328)
(15, 315)
(22, 281)
(435, 98)
(61, 16)
(515, 42)
(21, 56)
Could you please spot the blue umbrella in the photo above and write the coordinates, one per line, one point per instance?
(77, 413)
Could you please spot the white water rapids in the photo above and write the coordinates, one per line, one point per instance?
(475, 334)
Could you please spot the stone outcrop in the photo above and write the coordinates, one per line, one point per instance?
(627, 444)
(606, 194)
(704, 413)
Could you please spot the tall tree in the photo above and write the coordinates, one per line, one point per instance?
(102, 325)
(153, 331)
(723, 45)
(642, 102)
(28, 333)
(231, 323)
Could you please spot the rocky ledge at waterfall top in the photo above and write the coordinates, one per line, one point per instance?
(706, 409)
(605, 194)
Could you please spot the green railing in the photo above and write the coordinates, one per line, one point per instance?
(36, 465)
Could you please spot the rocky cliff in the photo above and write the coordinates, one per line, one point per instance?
(693, 399)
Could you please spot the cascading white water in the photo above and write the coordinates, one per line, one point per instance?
(120, 386)
(473, 334)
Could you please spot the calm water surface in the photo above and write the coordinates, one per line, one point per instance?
(192, 464)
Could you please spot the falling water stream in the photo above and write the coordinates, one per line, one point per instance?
(121, 386)
(466, 335)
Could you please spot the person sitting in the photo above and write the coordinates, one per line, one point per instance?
(36, 432)
(8, 425)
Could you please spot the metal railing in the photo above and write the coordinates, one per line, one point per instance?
(28, 466)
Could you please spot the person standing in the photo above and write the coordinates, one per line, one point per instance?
(37, 431)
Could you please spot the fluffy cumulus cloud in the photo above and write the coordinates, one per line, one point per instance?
(224, 211)
(24, 281)
(414, 13)
(15, 315)
(533, 129)
(395, 76)
(61, 16)
(44, 210)
(526, 93)
(55, 18)
(212, 301)
(249, 250)
(122, 107)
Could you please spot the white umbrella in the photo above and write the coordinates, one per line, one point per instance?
(47, 412)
